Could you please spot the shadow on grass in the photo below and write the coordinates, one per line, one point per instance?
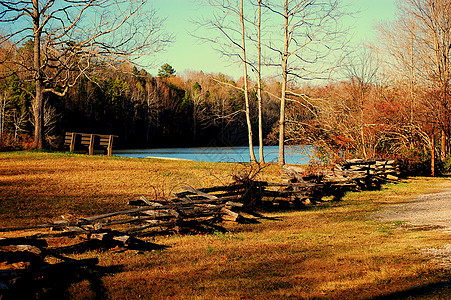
(92, 245)
(186, 228)
(53, 281)
(439, 290)
(257, 215)
(55, 284)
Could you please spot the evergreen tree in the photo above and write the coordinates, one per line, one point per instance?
(166, 71)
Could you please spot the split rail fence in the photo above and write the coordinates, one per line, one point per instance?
(192, 209)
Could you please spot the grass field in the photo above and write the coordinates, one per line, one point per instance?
(334, 250)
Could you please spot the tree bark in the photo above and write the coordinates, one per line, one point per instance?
(38, 106)
(3, 106)
(284, 89)
(362, 120)
(259, 85)
(246, 87)
(433, 156)
(38, 116)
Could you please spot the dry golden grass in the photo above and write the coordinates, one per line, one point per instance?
(38, 187)
(331, 251)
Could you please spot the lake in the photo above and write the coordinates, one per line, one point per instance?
(293, 154)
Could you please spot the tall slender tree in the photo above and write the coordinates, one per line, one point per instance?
(246, 84)
(4, 103)
(361, 71)
(259, 82)
(311, 31)
(229, 21)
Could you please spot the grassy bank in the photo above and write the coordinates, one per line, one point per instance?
(37, 187)
(333, 250)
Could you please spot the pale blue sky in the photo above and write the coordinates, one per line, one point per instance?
(186, 53)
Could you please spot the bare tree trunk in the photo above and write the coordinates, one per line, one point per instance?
(18, 120)
(150, 100)
(194, 121)
(246, 87)
(3, 107)
(38, 106)
(284, 89)
(412, 79)
(259, 85)
(433, 156)
(147, 127)
(362, 121)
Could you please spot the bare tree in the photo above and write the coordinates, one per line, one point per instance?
(246, 83)
(4, 104)
(361, 71)
(199, 108)
(19, 119)
(51, 119)
(259, 82)
(419, 42)
(230, 21)
(311, 31)
(153, 107)
(398, 48)
(257, 68)
(69, 37)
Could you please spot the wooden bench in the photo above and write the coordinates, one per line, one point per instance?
(74, 139)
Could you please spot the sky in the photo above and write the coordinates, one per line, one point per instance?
(187, 53)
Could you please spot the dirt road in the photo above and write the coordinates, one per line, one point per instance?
(429, 211)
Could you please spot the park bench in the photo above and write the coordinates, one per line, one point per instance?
(75, 140)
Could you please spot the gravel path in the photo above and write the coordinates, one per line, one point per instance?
(429, 211)
(425, 210)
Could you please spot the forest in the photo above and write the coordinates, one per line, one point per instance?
(391, 100)
(144, 111)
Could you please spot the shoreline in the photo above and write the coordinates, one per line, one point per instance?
(169, 158)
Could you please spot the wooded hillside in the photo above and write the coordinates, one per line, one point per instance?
(143, 110)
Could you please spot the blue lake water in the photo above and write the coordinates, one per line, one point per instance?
(293, 154)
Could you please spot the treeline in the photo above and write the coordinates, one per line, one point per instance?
(355, 117)
(393, 100)
(377, 119)
(143, 110)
